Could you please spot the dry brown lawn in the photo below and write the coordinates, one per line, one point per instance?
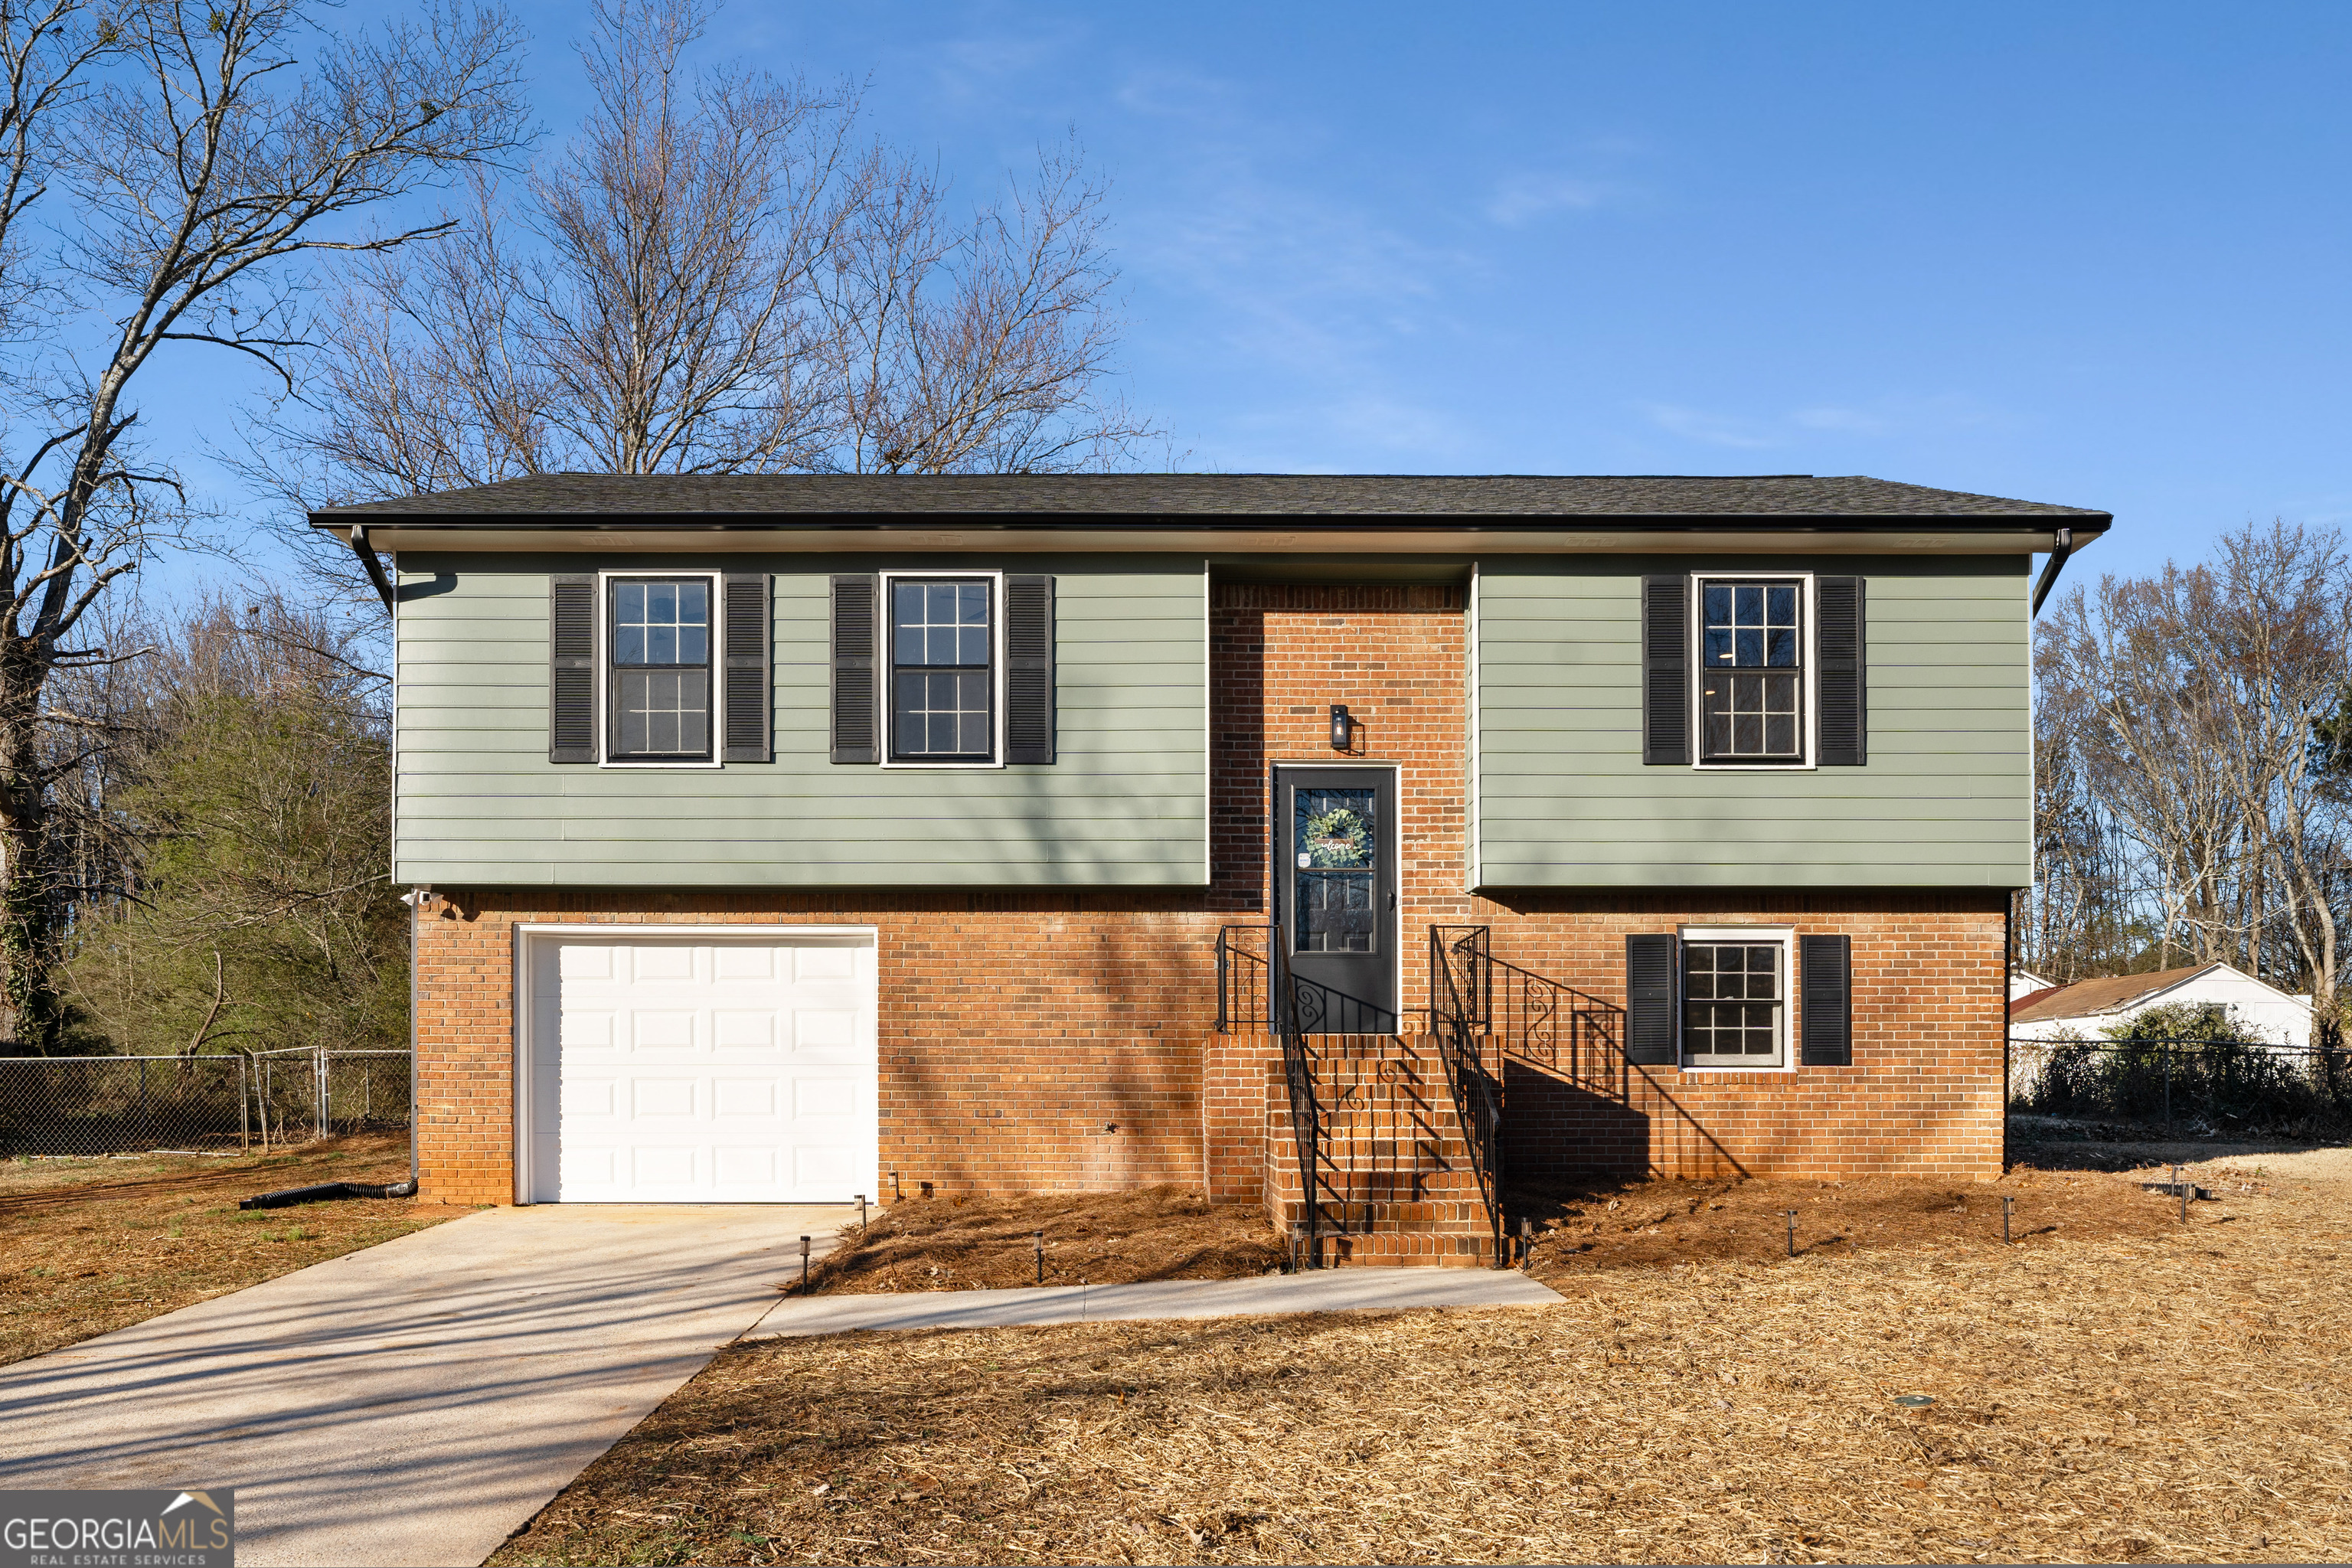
(2116, 1387)
(1095, 1238)
(88, 1245)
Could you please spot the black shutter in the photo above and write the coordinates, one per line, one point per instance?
(1028, 670)
(1845, 709)
(1653, 999)
(1826, 966)
(572, 668)
(857, 720)
(749, 687)
(1666, 670)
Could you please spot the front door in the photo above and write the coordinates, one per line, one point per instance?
(1336, 895)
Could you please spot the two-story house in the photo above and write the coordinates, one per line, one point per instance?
(786, 838)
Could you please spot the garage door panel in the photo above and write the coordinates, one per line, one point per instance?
(661, 1029)
(590, 1098)
(589, 1166)
(816, 1099)
(742, 1096)
(656, 960)
(824, 1029)
(585, 961)
(746, 1168)
(668, 1098)
(589, 1028)
(750, 963)
(744, 1029)
(817, 963)
(654, 1166)
(702, 1070)
(821, 1169)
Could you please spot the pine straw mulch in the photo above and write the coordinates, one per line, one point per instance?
(90, 1246)
(2169, 1393)
(1094, 1239)
(1604, 1225)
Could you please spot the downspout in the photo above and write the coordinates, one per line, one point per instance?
(2062, 544)
(375, 565)
(415, 902)
(2008, 968)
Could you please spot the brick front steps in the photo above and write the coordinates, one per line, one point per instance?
(1395, 1186)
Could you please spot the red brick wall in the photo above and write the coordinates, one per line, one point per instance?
(1026, 1041)
(1923, 1096)
(1063, 1039)
(1282, 654)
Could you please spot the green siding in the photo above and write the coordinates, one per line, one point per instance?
(1564, 800)
(1125, 804)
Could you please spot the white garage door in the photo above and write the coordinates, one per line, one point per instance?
(669, 1071)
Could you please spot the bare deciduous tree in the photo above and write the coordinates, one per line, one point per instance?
(2182, 713)
(712, 277)
(205, 160)
(975, 348)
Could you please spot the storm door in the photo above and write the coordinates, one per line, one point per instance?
(1336, 895)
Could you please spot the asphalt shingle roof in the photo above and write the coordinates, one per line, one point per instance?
(2088, 996)
(1173, 496)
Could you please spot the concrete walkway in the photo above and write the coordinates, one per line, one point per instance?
(1330, 1290)
(414, 1403)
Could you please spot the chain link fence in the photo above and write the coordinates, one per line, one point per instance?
(2186, 1085)
(120, 1105)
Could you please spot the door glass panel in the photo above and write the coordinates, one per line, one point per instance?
(1334, 833)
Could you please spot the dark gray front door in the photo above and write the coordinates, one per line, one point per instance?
(1336, 895)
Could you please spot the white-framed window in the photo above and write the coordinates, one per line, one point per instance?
(943, 668)
(657, 637)
(1753, 702)
(1738, 993)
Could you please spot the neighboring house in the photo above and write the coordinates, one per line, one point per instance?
(2024, 983)
(2087, 1008)
(787, 838)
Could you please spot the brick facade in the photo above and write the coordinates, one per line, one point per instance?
(1065, 1040)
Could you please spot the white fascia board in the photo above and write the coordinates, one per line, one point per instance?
(1431, 538)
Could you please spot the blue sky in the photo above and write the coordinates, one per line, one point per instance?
(2087, 254)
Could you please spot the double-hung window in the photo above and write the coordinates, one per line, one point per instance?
(942, 675)
(658, 685)
(1735, 999)
(1752, 675)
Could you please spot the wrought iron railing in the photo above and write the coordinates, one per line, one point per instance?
(1307, 1120)
(1455, 996)
(1242, 990)
(1532, 1017)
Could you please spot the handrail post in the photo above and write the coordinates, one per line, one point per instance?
(1220, 980)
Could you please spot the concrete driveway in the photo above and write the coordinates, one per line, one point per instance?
(414, 1403)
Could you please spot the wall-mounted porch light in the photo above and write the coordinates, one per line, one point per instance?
(1343, 728)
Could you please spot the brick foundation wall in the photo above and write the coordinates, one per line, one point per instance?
(1027, 1042)
(1064, 1039)
(1923, 1096)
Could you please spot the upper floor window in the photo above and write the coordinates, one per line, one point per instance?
(659, 683)
(1751, 676)
(942, 682)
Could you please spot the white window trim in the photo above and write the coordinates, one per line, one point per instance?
(886, 662)
(1811, 641)
(605, 667)
(1787, 937)
(527, 934)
